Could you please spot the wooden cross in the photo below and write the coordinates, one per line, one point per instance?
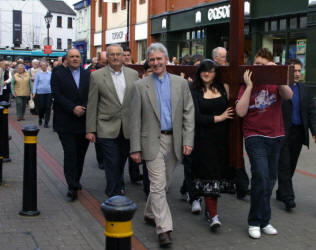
(233, 75)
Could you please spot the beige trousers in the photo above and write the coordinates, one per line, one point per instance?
(160, 172)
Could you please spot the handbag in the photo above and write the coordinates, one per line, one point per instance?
(31, 103)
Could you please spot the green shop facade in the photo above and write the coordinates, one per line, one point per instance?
(286, 27)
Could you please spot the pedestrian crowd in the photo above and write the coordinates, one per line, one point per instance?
(160, 121)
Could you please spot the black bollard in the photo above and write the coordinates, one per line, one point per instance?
(30, 173)
(118, 212)
(1, 144)
(6, 157)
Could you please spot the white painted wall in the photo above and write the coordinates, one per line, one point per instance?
(34, 29)
(117, 19)
(83, 27)
(142, 12)
(98, 20)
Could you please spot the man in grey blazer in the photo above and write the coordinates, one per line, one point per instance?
(107, 116)
(162, 130)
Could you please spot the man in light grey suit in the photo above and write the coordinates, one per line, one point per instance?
(162, 130)
(107, 116)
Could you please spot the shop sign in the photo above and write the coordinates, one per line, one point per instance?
(116, 35)
(17, 27)
(164, 23)
(218, 13)
(141, 31)
(198, 17)
(301, 47)
(97, 39)
(223, 12)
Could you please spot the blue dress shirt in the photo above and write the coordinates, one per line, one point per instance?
(296, 113)
(42, 83)
(162, 85)
(76, 75)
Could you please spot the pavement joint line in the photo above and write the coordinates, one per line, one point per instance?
(85, 198)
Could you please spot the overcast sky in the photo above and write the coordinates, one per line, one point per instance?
(71, 2)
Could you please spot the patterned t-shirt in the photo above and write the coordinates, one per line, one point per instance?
(264, 117)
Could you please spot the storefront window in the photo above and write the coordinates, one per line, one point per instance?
(142, 46)
(188, 35)
(283, 24)
(293, 23)
(274, 25)
(303, 22)
(194, 43)
(266, 26)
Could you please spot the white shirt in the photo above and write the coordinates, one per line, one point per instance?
(119, 83)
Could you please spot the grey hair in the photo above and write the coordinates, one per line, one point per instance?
(44, 61)
(35, 61)
(113, 45)
(215, 51)
(157, 47)
(72, 50)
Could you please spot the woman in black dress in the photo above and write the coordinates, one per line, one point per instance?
(210, 155)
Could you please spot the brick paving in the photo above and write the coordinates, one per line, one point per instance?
(77, 225)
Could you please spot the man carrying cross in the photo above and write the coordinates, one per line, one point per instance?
(261, 108)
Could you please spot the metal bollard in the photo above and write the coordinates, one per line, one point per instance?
(118, 212)
(30, 173)
(6, 157)
(1, 140)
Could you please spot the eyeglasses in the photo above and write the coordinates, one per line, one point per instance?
(115, 54)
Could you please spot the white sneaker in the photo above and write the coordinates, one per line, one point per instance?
(185, 197)
(269, 229)
(254, 232)
(196, 207)
(215, 223)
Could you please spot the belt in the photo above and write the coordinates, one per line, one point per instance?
(166, 132)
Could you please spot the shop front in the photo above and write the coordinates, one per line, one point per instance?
(141, 35)
(195, 31)
(288, 30)
(116, 36)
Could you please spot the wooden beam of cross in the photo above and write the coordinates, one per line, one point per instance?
(233, 75)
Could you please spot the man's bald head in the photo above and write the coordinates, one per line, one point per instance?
(219, 55)
(102, 60)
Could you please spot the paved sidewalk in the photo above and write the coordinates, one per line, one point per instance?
(64, 225)
(61, 225)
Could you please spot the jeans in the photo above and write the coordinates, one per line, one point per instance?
(263, 154)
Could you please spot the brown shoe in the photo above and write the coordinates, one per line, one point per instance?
(164, 239)
(149, 221)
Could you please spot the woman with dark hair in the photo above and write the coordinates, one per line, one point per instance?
(211, 139)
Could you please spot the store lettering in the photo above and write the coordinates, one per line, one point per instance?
(117, 35)
(219, 13)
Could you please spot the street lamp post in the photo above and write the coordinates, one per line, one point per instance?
(48, 18)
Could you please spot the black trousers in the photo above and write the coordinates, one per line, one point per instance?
(43, 105)
(187, 182)
(75, 147)
(6, 95)
(291, 147)
(115, 152)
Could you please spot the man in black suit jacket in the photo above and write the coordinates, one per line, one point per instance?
(70, 87)
(299, 115)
